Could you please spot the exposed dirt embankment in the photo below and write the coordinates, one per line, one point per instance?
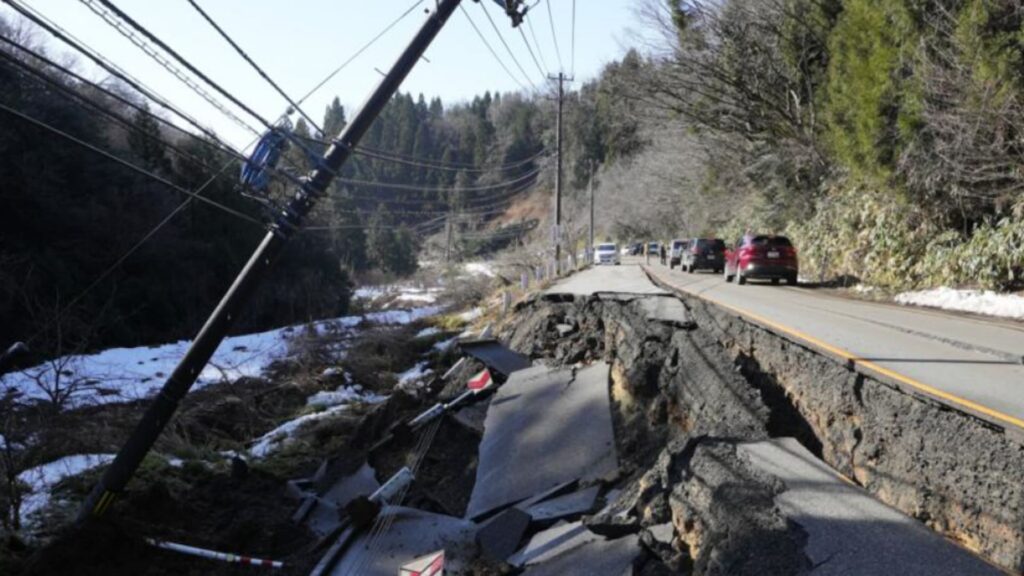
(687, 390)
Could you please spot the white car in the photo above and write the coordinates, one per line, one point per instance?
(607, 254)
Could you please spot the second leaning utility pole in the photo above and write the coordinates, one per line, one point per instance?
(558, 174)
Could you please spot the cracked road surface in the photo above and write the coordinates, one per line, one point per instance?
(973, 364)
(849, 531)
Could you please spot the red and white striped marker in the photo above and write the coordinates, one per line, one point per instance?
(429, 565)
(214, 555)
(481, 381)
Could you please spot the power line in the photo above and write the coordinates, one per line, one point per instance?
(512, 55)
(254, 65)
(533, 33)
(137, 169)
(359, 52)
(493, 53)
(67, 38)
(115, 17)
(534, 57)
(415, 188)
(554, 36)
(448, 167)
(45, 79)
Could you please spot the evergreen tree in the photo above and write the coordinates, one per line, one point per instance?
(147, 143)
(334, 119)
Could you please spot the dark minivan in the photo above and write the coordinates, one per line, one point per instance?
(704, 254)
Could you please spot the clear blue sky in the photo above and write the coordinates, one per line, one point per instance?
(299, 42)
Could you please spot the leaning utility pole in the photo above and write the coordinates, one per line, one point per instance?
(561, 78)
(289, 222)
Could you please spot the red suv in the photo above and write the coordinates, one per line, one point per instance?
(762, 257)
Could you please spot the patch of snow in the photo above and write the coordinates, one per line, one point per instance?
(471, 315)
(280, 436)
(127, 374)
(336, 402)
(480, 269)
(414, 374)
(863, 289)
(42, 479)
(984, 302)
(370, 292)
(428, 332)
(421, 297)
(442, 346)
(332, 371)
(344, 395)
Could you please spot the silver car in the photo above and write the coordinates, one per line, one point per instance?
(607, 253)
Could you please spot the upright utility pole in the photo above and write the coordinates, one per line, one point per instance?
(288, 223)
(561, 79)
(590, 186)
(448, 238)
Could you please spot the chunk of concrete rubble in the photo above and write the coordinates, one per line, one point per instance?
(565, 329)
(413, 533)
(660, 540)
(644, 501)
(545, 426)
(848, 531)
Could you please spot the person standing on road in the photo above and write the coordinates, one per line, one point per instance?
(663, 253)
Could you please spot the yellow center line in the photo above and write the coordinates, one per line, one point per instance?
(854, 359)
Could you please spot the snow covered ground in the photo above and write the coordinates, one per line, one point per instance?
(42, 479)
(977, 301)
(125, 374)
(399, 294)
(480, 269)
(335, 402)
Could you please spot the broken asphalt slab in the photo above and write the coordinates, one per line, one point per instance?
(569, 548)
(413, 533)
(545, 427)
(849, 532)
(496, 356)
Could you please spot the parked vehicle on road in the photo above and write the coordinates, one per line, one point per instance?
(703, 254)
(654, 249)
(607, 253)
(676, 252)
(763, 257)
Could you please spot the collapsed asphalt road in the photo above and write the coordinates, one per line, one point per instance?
(721, 394)
(661, 435)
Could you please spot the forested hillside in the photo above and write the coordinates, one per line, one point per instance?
(883, 135)
(71, 211)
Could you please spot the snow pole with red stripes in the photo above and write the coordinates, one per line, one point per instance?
(214, 555)
(474, 386)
